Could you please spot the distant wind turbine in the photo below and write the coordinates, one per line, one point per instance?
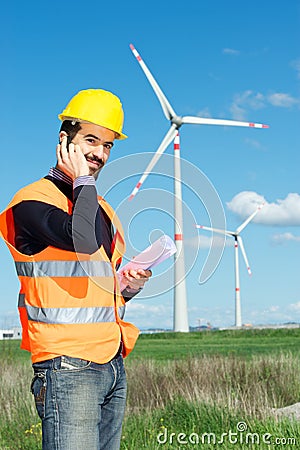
(237, 243)
(180, 301)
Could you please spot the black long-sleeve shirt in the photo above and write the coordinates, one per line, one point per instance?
(39, 224)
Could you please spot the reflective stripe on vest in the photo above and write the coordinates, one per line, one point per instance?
(64, 269)
(70, 315)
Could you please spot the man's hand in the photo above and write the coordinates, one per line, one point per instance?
(71, 160)
(136, 278)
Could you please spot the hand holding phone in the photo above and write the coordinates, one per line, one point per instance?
(70, 159)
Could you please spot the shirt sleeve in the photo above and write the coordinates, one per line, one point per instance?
(39, 224)
(128, 293)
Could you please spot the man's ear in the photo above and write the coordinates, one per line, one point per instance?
(62, 134)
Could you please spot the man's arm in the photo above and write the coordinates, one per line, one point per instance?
(136, 280)
(39, 224)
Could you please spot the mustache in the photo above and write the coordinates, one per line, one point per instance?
(96, 159)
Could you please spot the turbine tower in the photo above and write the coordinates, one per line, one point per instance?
(180, 312)
(238, 242)
(180, 301)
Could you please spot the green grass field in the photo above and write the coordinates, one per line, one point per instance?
(244, 343)
(208, 390)
(162, 346)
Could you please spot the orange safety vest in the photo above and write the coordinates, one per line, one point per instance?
(69, 303)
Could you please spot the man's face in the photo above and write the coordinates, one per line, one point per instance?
(95, 143)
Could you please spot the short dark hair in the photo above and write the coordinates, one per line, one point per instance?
(70, 127)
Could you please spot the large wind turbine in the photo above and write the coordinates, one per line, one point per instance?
(177, 121)
(180, 302)
(237, 243)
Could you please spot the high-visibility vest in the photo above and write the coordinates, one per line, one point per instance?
(69, 303)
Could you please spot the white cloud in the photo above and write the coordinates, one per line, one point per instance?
(145, 314)
(296, 65)
(237, 111)
(249, 100)
(231, 51)
(271, 315)
(294, 307)
(145, 308)
(246, 100)
(284, 212)
(282, 100)
(281, 238)
(204, 113)
(274, 308)
(255, 144)
(244, 203)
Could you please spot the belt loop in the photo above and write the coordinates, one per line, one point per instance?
(57, 363)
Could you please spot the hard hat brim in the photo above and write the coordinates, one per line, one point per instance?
(119, 136)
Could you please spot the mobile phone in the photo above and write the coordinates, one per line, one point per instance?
(69, 140)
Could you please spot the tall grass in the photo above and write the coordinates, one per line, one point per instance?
(206, 426)
(211, 394)
(17, 410)
(253, 386)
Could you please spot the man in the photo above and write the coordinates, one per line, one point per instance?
(67, 244)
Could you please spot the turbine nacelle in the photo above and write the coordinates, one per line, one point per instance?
(177, 120)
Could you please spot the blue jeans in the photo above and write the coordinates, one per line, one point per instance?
(81, 403)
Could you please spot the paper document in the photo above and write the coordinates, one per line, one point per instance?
(153, 255)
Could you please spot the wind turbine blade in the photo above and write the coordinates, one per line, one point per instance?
(244, 224)
(169, 137)
(241, 245)
(167, 108)
(216, 230)
(208, 121)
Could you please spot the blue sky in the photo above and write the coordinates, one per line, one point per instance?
(211, 59)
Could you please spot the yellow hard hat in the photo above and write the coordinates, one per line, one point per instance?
(96, 106)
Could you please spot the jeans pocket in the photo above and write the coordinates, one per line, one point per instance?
(38, 389)
(69, 363)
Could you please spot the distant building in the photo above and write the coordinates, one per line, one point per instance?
(12, 333)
